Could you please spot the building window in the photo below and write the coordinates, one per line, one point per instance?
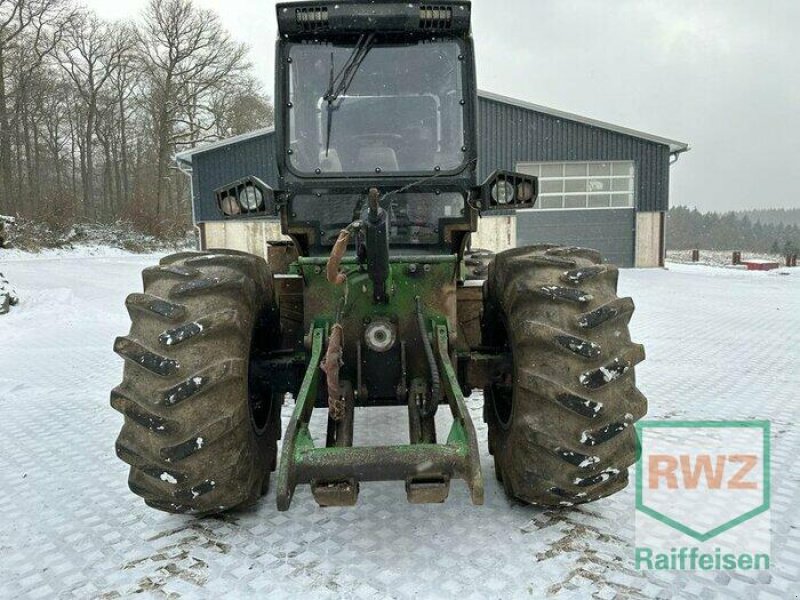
(583, 184)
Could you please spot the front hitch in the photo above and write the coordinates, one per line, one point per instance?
(336, 471)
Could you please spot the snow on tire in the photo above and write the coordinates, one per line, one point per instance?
(561, 420)
(199, 436)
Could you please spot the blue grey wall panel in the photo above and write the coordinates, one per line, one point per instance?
(216, 167)
(509, 134)
(611, 231)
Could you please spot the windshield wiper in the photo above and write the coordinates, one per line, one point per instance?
(339, 83)
(414, 184)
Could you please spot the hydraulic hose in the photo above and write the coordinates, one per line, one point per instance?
(337, 253)
(436, 384)
(331, 365)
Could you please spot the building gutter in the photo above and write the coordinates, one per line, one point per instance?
(185, 167)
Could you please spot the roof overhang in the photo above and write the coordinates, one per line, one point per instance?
(675, 147)
(185, 158)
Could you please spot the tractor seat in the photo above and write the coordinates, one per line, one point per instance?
(372, 157)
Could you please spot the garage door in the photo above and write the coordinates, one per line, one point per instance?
(609, 231)
(587, 204)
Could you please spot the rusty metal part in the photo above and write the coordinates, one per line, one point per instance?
(432, 489)
(330, 366)
(422, 430)
(469, 295)
(280, 255)
(417, 390)
(335, 493)
(380, 463)
(340, 433)
(380, 335)
(337, 253)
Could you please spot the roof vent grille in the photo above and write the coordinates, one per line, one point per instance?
(312, 18)
(435, 17)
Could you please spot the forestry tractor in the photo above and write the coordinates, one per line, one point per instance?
(377, 300)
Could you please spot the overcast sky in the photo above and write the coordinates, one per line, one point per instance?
(722, 75)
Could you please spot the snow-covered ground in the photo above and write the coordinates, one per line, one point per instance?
(721, 343)
(75, 251)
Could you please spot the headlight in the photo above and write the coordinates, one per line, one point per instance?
(503, 192)
(525, 191)
(230, 206)
(251, 198)
(247, 195)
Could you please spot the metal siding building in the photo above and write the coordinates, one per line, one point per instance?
(217, 164)
(511, 132)
(602, 185)
(620, 215)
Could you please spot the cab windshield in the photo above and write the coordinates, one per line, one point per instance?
(373, 106)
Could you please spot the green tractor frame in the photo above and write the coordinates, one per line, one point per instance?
(382, 302)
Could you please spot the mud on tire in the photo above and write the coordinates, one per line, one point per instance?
(561, 420)
(199, 435)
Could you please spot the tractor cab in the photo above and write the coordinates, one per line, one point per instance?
(376, 95)
(375, 107)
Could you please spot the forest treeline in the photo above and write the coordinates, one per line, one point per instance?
(774, 231)
(92, 112)
(773, 216)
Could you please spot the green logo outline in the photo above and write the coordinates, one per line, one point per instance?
(702, 537)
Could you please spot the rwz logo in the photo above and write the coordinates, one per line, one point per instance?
(706, 480)
(668, 469)
(684, 463)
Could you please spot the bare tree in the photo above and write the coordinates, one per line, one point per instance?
(92, 51)
(30, 28)
(54, 107)
(126, 81)
(92, 112)
(187, 54)
(240, 106)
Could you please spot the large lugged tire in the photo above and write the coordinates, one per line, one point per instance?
(561, 421)
(199, 435)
